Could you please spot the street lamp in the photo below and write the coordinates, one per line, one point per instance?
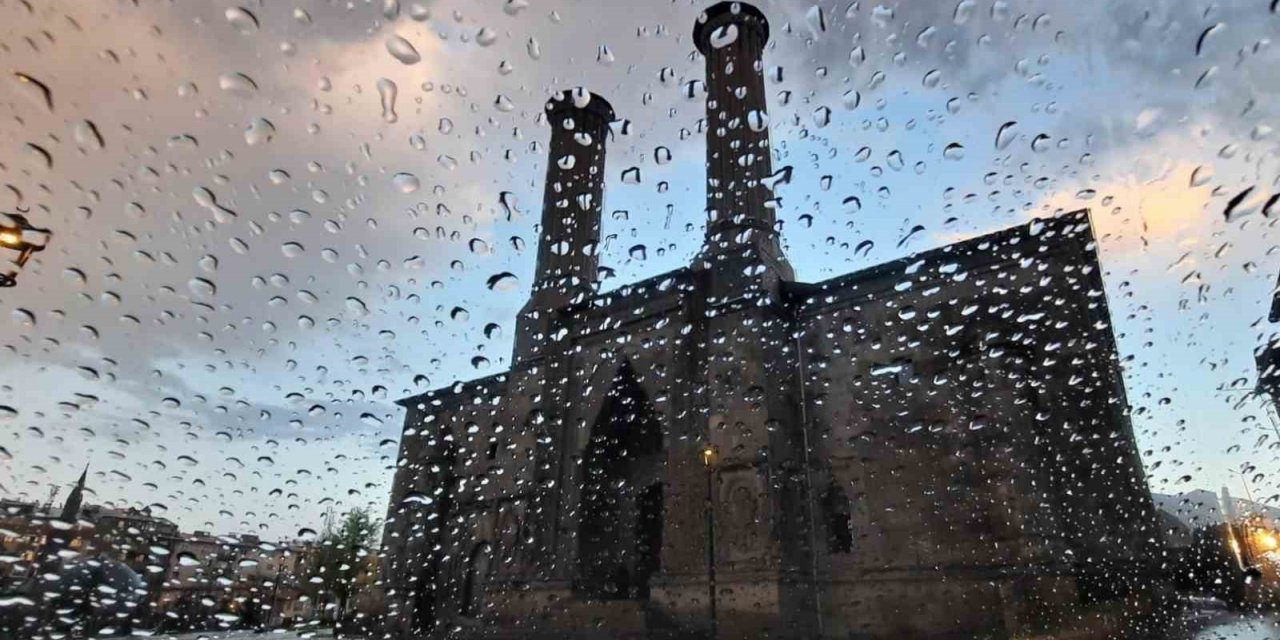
(18, 235)
(708, 453)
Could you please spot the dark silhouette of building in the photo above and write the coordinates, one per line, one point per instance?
(937, 446)
(71, 508)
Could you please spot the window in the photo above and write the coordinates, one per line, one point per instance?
(839, 520)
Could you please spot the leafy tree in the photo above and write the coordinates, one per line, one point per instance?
(341, 559)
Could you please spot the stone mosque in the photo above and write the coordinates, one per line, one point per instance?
(934, 447)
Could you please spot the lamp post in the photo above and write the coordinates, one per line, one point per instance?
(18, 235)
(708, 459)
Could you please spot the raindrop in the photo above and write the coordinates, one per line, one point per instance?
(724, 36)
(401, 50)
(894, 160)
(851, 205)
(662, 155)
(1006, 135)
(259, 131)
(208, 200)
(242, 20)
(237, 84)
(34, 90)
(1201, 176)
(485, 37)
(87, 135)
(413, 497)
(822, 116)
(357, 306)
(851, 99)
(631, 175)
(1040, 143)
(387, 91)
(954, 151)
(292, 249)
(38, 156)
(638, 252)
(406, 182)
(504, 281)
(202, 288)
(817, 21)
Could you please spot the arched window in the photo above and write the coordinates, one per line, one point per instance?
(839, 516)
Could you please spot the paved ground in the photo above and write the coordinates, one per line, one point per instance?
(1205, 624)
(319, 634)
(1229, 626)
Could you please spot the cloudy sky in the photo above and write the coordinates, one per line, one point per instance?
(273, 219)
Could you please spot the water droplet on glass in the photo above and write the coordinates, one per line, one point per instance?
(202, 288)
(405, 182)
(87, 135)
(357, 306)
(504, 281)
(1006, 135)
(401, 50)
(237, 84)
(292, 249)
(954, 151)
(387, 91)
(34, 90)
(822, 116)
(851, 205)
(724, 36)
(486, 37)
(259, 131)
(241, 20)
(851, 99)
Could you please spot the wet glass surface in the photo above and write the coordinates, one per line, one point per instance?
(693, 319)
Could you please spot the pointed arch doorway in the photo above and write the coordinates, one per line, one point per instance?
(621, 512)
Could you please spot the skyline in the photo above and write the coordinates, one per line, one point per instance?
(219, 380)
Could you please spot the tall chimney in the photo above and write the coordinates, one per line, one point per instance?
(740, 225)
(572, 202)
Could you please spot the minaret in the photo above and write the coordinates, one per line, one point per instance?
(741, 233)
(71, 508)
(572, 202)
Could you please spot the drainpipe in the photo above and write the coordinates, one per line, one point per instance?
(808, 481)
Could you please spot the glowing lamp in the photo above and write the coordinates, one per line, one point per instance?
(18, 240)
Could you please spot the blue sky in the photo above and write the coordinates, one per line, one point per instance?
(231, 412)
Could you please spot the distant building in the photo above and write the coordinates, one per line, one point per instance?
(190, 577)
(938, 446)
(1201, 508)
